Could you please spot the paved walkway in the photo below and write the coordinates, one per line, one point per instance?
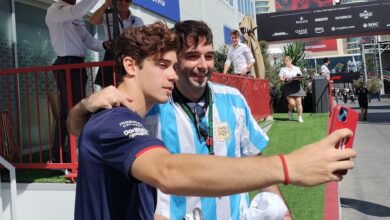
(365, 191)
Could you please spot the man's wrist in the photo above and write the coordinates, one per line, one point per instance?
(83, 107)
(285, 169)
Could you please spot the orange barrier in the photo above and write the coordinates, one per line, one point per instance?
(31, 106)
(255, 91)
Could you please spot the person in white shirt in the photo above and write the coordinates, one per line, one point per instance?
(325, 70)
(292, 89)
(70, 41)
(240, 55)
(103, 16)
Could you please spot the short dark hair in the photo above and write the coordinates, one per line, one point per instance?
(140, 42)
(192, 29)
(326, 59)
(235, 33)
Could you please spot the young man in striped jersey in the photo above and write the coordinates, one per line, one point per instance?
(203, 118)
(184, 124)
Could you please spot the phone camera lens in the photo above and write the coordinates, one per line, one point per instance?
(342, 115)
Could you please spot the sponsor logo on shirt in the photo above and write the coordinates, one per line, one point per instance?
(125, 124)
(136, 129)
(134, 132)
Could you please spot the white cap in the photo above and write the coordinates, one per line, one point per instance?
(266, 206)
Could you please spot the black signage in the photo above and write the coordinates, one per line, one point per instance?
(341, 20)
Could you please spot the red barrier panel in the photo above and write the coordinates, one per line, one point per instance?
(33, 105)
(255, 91)
(32, 111)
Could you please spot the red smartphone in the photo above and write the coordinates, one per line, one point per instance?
(343, 117)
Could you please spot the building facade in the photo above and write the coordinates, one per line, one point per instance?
(24, 39)
(264, 6)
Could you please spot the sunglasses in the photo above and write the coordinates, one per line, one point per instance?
(201, 127)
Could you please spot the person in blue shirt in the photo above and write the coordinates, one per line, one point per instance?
(121, 163)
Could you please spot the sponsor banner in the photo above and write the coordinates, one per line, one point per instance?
(340, 20)
(322, 45)
(290, 5)
(167, 8)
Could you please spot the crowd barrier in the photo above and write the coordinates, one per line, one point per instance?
(30, 107)
(255, 91)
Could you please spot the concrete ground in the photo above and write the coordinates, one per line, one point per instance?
(365, 191)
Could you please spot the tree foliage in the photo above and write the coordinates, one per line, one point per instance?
(297, 53)
(220, 58)
(374, 85)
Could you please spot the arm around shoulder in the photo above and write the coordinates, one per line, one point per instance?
(77, 118)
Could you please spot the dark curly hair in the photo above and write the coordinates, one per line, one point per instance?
(191, 29)
(141, 42)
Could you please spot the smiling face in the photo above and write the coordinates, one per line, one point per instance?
(157, 77)
(235, 40)
(194, 68)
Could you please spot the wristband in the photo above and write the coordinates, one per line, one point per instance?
(285, 170)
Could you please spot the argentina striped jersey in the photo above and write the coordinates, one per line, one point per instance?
(235, 134)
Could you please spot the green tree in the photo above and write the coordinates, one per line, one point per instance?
(374, 85)
(338, 67)
(297, 53)
(271, 71)
(220, 58)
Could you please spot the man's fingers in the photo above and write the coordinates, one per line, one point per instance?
(345, 154)
(343, 165)
(337, 135)
(107, 106)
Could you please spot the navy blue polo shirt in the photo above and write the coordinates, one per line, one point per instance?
(108, 145)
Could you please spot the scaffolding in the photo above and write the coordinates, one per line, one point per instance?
(375, 50)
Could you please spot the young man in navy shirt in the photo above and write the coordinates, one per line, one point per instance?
(121, 164)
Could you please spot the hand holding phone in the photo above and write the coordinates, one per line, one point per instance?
(343, 117)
